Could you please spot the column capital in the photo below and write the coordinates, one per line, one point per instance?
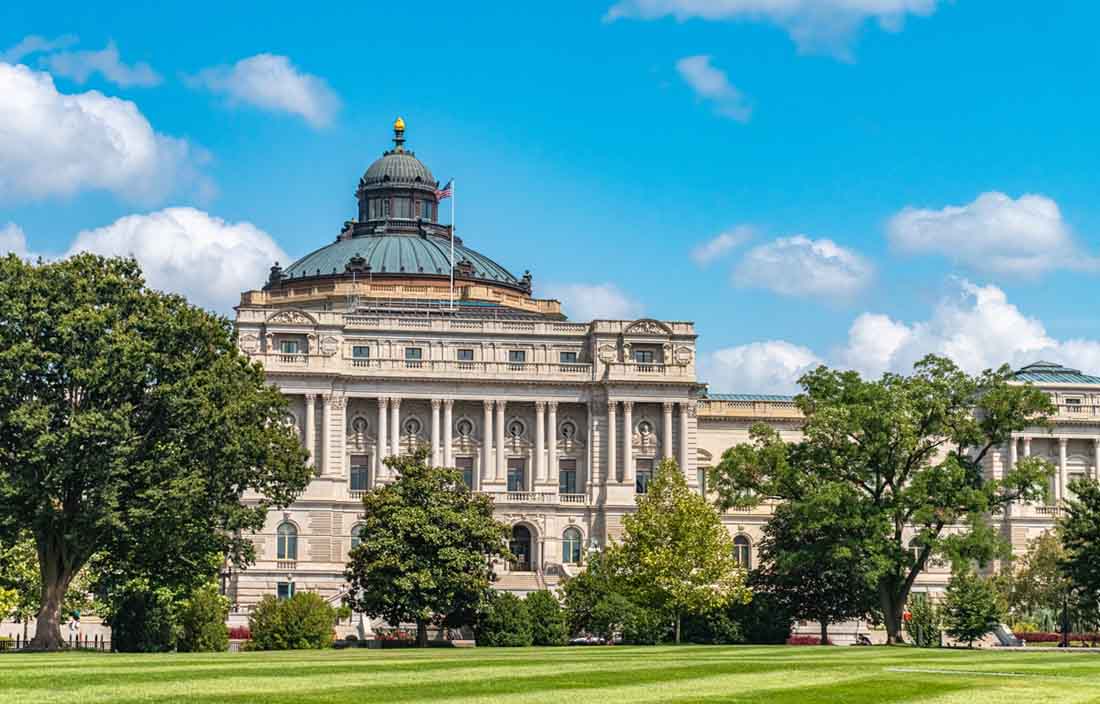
(338, 403)
(395, 401)
(1062, 442)
(668, 406)
(540, 405)
(612, 407)
(448, 403)
(553, 406)
(310, 396)
(383, 401)
(437, 403)
(500, 405)
(628, 405)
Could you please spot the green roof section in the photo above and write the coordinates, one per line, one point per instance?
(777, 398)
(395, 254)
(1053, 373)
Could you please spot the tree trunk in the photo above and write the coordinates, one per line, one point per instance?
(56, 577)
(421, 633)
(677, 628)
(891, 614)
(824, 632)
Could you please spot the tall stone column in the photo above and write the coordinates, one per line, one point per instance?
(1096, 460)
(502, 456)
(552, 442)
(437, 456)
(448, 439)
(334, 459)
(612, 464)
(628, 443)
(540, 441)
(395, 426)
(488, 459)
(1027, 446)
(380, 440)
(326, 435)
(1063, 469)
(685, 409)
(666, 435)
(311, 429)
(1013, 449)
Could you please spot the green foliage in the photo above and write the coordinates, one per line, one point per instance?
(1035, 582)
(426, 548)
(302, 622)
(677, 555)
(910, 450)
(972, 609)
(602, 577)
(547, 618)
(763, 621)
(713, 628)
(504, 621)
(130, 426)
(645, 626)
(609, 615)
(19, 574)
(1080, 528)
(143, 619)
(925, 621)
(202, 621)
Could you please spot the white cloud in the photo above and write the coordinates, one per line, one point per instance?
(35, 44)
(54, 143)
(771, 367)
(814, 25)
(800, 266)
(715, 248)
(995, 233)
(187, 251)
(710, 83)
(271, 82)
(14, 241)
(584, 302)
(80, 65)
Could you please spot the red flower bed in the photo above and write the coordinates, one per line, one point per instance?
(240, 633)
(1057, 637)
(806, 640)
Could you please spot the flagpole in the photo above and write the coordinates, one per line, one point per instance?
(452, 244)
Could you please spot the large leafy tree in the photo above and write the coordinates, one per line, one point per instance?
(1080, 529)
(678, 555)
(817, 558)
(911, 450)
(426, 548)
(20, 575)
(131, 427)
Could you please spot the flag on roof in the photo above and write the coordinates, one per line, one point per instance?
(447, 191)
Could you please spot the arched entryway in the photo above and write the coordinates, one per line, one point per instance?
(522, 549)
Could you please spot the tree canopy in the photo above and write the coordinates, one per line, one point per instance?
(131, 427)
(1080, 529)
(426, 548)
(911, 451)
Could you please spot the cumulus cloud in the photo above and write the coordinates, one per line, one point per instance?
(800, 266)
(80, 65)
(54, 143)
(995, 233)
(584, 302)
(712, 84)
(272, 82)
(721, 245)
(188, 251)
(35, 44)
(814, 25)
(14, 241)
(771, 367)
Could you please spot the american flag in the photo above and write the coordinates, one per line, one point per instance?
(447, 191)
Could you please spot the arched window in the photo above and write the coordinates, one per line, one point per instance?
(520, 545)
(571, 546)
(356, 535)
(287, 542)
(742, 551)
(915, 548)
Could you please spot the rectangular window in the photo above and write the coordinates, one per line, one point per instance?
(466, 466)
(285, 590)
(701, 476)
(516, 475)
(517, 356)
(414, 354)
(643, 473)
(465, 355)
(643, 356)
(402, 208)
(385, 207)
(360, 468)
(567, 358)
(1073, 405)
(288, 346)
(567, 477)
(360, 352)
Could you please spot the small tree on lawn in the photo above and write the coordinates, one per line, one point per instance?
(972, 609)
(131, 426)
(504, 622)
(911, 448)
(426, 548)
(676, 551)
(547, 618)
(603, 576)
(816, 557)
(1080, 531)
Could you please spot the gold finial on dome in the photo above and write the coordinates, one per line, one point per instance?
(399, 135)
(399, 125)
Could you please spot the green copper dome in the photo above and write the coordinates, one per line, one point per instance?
(396, 255)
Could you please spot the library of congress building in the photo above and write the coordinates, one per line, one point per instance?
(561, 421)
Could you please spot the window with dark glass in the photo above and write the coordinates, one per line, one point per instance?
(516, 475)
(465, 355)
(466, 466)
(643, 356)
(385, 207)
(701, 476)
(286, 545)
(414, 354)
(284, 590)
(520, 546)
(402, 208)
(643, 474)
(742, 552)
(567, 476)
(288, 346)
(360, 468)
(356, 535)
(567, 358)
(517, 356)
(360, 351)
(571, 546)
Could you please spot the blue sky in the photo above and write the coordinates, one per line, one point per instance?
(893, 177)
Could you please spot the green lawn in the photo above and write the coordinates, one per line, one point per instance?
(593, 675)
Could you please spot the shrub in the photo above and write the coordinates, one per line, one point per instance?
(547, 619)
(202, 622)
(5, 643)
(712, 628)
(504, 622)
(645, 626)
(806, 640)
(609, 615)
(302, 622)
(240, 633)
(924, 622)
(143, 621)
(971, 609)
(762, 621)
